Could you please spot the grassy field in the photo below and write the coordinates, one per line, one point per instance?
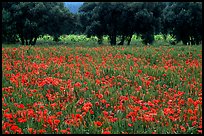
(102, 89)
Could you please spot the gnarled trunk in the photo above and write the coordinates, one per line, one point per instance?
(129, 39)
(100, 39)
(35, 39)
(31, 40)
(113, 39)
(122, 40)
(22, 40)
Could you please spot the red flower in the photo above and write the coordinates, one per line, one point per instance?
(166, 67)
(100, 96)
(98, 81)
(21, 120)
(56, 121)
(144, 108)
(194, 123)
(78, 117)
(6, 132)
(190, 111)
(130, 125)
(91, 111)
(30, 130)
(139, 71)
(107, 105)
(106, 132)
(41, 131)
(150, 104)
(63, 131)
(81, 100)
(103, 101)
(14, 128)
(105, 113)
(131, 68)
(200, 131)
(148, 83)
(190, 101)
(50, 122)
(59, 113)
(97, 103)
(8, 116)
(183, 128)
(21, 106)
(77, 84)
(98, 123)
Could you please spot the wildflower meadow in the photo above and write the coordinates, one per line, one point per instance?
(102, 90)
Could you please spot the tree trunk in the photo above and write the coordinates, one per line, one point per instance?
(197, 41)
(31, 40)
(113, 40)
(100, 39)
(26, 41)
(22, 40)
(165, 36)
(122, 40)
(184, 42)
(56, 38)
(129, 39)
(35, 39)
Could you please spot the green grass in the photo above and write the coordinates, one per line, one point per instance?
(116, 65)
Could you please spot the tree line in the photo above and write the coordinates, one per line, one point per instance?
(29, 20)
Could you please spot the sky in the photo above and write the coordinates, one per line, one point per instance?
(73, 6)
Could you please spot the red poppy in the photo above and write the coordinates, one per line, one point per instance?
(98, 81)
(190, 111)
(183, 128)
(41, 131)
(6, 132)
(8, 116)
(200, 131)
(130, 125)
(166, 67)
(103, 101)
(63, 131)
(91, 112)
(105, 113)
(139, 71)
(77, 84)
(106, 132)
(150, 103)
(30, 130)
(97, 103)
(98, 123)
(14, 128)
(21, 120)
(21, 106)
(100, 96)
(194, 123)
(144, 108)
(56, 121)
(131, 67)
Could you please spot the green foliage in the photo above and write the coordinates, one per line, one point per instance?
(184, 21)
(122, 20)
(115, 22)
(31, 19)
(8, 28)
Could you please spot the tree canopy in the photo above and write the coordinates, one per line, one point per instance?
(28, 20)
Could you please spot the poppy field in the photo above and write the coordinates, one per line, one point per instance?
(102, 90)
